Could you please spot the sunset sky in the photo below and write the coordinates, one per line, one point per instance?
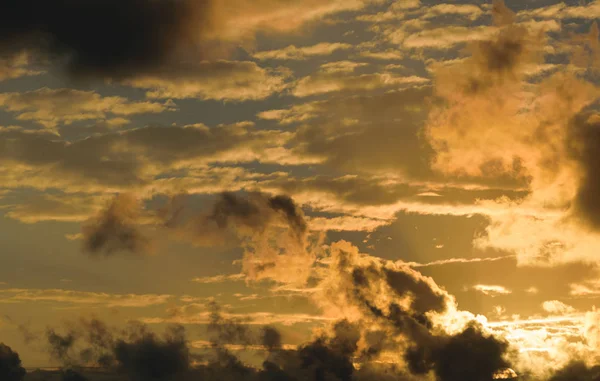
(156, 159)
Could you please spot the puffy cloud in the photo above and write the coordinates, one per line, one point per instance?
(53, 107)
(302, 53)
(531, 131)
(557, 307)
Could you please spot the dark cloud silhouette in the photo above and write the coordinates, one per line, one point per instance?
(116, 229)
(583, 143)
(136, 352)
(576, 371)
(60, 346)
(71, 375)
(257, 211)
(104, 38)
(145, 357)
(470, 356)
(10, 365)
(271, 339)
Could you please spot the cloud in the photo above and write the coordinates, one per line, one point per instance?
(460, 260)
(327, 82)
(447, 37)
(492, 290)
(15, 295)
(557, 307)
(10, 365)
(135, 351)
(590, 289)
(271, 229)
(146, 357)
(53, 107)
(16, 67)
(219, 278)
(302, 53)
(146, 35)
(219, 80)
(591, 10)
(65, 208)
(534, 131)
(342, 66)
(128, 161)
(116, 229)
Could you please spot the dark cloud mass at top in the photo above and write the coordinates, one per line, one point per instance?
(105, 38)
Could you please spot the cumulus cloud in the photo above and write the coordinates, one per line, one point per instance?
(557, 307)
(531, 131)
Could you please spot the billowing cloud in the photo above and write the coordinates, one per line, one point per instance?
(531, 131)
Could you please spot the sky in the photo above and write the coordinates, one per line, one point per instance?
(424, 170)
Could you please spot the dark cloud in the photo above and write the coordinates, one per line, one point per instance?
(10, 365)
(576, 371)
(257, 211)
(116, 229)
(71, 375)
(271, 339)
(145, 357)
(61, 346)
(583, 143)
(105, 38)
(470, 356)
(136, 352)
